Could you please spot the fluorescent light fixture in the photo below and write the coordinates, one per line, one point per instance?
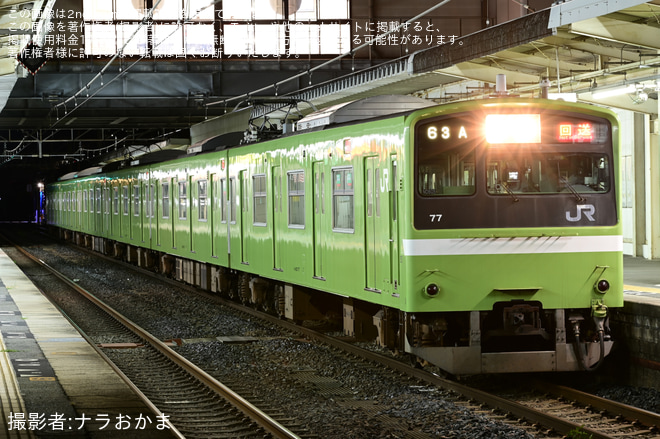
(616, 91)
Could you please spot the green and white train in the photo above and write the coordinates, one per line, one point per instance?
(481, 236)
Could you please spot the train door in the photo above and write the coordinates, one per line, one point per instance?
(189, 212)
(213, 196)
(152, 211)
(320, 229)
(164, 211)
(278, 219)
(377, 227)
(245, 216)
(220, 229)
(136, 222)
(146, 217)
(233, 240)
(392, 191)
(98, 216)
(107, 217)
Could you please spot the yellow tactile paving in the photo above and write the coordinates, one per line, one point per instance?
(10, 397)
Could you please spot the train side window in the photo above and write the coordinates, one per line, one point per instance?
(125, 199)
(183, 200)
(165, 192)
(152, 201)
(259, 200)
(296, 189)
(91, 201)
(322, 192)
(223, 200)
(395, 183)
(136, 200)
(98, 200)
(232, 200)
(343, 219)
(115, 199)
(84, 196)
(106, 194)
(202, 196)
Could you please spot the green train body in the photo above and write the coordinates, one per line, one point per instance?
(421, 229)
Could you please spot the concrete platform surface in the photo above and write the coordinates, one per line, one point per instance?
(54, 383)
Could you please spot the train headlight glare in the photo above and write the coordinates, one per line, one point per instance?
(513, 128)
(602, 286)
(432, 290)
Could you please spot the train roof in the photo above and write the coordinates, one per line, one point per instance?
(217, 143)
(367, 108)
(84, 173)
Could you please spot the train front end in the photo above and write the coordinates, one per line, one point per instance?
(514, 258)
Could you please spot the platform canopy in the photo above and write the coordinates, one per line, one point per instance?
(581, 47)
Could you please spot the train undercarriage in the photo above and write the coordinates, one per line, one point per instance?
(515, 336)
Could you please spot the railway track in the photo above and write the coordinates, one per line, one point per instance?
(195, 404)
(551, 410)
(569, 414)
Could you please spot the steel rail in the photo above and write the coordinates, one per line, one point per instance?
(632, 414)
(262, 419)
(521, 411)
(561, 426)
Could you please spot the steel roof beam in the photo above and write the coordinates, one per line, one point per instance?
(619, 31)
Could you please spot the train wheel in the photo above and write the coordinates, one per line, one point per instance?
(278, 300)
(268, 304)
(244, 292)
(416, 362)
(232, 291)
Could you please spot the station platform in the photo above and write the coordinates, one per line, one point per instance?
(54, 384)
(641, 274)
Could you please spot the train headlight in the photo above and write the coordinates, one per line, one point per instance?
(602, 286)
(432, 290)
(513, 128)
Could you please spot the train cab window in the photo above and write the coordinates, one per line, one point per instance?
(259, 200)
(136, 200)
(446, 158)
(183, 200)
(549, 173)
(165, 196)
(447, 174)
(202, 196)
(296, 190)
(343, 218)
(125, 199)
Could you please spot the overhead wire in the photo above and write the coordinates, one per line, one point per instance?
(147, 20)
(333, 60)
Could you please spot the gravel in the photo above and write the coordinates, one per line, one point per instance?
(331, 396)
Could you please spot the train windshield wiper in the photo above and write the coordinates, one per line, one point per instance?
(575, 193)
(510, 192)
